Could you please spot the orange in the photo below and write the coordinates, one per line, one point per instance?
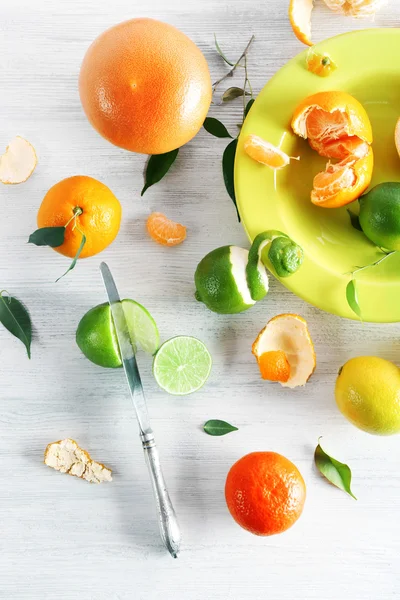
(265, 493)
(89, 206)
(145, 86)
(337, 126)
(274, 366)
(164, 231)
(265, 153)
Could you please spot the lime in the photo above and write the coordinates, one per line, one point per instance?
(97, 339)
(221, 281)
(380, 215)
(182, 365)
(368, 394)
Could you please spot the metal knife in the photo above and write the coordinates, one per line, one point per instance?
(169, 528)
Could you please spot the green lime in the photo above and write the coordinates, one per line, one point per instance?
(97, 339)
(368, 394)
(221, 281)
(380, 215)
(182, 365)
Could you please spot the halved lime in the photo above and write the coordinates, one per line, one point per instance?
(97, 339)
(182, 365)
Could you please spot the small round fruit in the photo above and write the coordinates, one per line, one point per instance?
(380, 215)
(97, 214)
(145, 86)
(221, 280)
(368, 394)
(97, 339)
(265, 493)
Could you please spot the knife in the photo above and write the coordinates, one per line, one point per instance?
(169, 528)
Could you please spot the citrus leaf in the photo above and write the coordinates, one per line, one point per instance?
(77, 255)
(15, 317)
(352, 297)
(47, 236)
(248, 107)
(157, 167)
(336, 472)
(217, 427)
(228, 166)
(216, 128)
(222, 55)
(232, 93)
(355, 221)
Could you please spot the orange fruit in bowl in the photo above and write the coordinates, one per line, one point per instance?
(265, 493)
(145, 86)
(337, 126)
(89, 207)
(164, 231)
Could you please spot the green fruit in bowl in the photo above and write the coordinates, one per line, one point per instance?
(231, 280)
(97, 339)
(380, 215)
(368, 394)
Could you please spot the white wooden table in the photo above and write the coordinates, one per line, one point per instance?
(63, 538)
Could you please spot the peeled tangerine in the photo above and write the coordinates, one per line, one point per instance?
(285, 352)
(67, 457)
(18, 162)
(337, 126)
(355, 8)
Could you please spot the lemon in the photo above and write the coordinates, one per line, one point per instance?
(368, 394)
(380, 215)
(97, 339)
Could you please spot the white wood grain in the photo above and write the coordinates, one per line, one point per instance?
(60, 537)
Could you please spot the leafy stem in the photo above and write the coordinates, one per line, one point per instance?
(237, 64)
(375, 264)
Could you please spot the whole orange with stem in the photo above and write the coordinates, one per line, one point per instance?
(145, 86)
(265, 493)
(82, 205)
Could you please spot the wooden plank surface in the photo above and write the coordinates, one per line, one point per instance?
(62, 538)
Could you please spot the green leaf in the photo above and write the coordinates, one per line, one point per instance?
(221, 53)
(217, 427)
(355, 221)
(47, 236)
(216, 128)
(15, 317)
(352, 297)
(232, 93)
(336, 472)
(157, 167)
(228, 166)
(77, 255)
(248, 107)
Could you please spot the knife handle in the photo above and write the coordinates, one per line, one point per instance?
(169, 528)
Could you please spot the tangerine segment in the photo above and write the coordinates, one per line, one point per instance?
(349, 118)
(342, 148)
(274, 366)
(355, 8)
(164, 231)
(343, 182)
(265, 153)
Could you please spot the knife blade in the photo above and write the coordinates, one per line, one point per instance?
(169, 528)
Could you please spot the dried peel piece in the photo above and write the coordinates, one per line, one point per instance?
(18, 162)
(67, 457)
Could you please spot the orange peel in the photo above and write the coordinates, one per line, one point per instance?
(300, 19)
(18, 161)
(67, 457)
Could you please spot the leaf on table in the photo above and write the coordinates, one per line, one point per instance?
(15, 317)
(248, 107)
(47, 236)
(232, 93)
(75, 259)
(216, 128)
(228, 166)
(222, 55)
(354, 220)
(336, 472)
(157, 167)
(217, 427)
(352, 297)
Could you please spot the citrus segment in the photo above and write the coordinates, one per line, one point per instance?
(182, 365)
(356, 8)
(164, 231)
(265, 153)
(320, 64)
(274, 366)
(397, 136)
(300, 19)
(18, 162)
(265, 493)
(288, 334)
